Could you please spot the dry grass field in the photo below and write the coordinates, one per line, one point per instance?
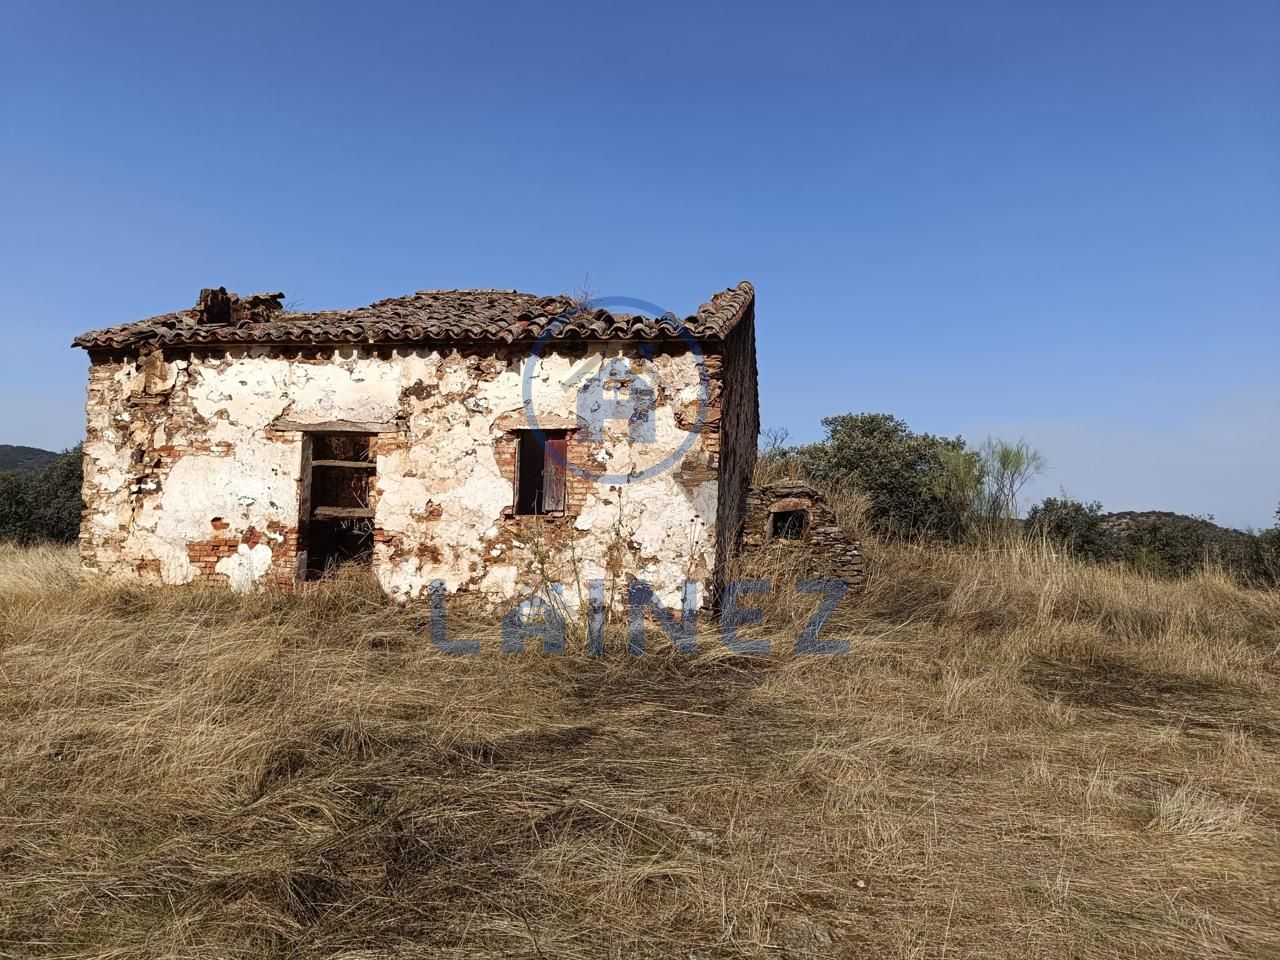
(1021, 757)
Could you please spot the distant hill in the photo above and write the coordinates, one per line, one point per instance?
(1131, 522)
(25, 459)
(1179, 543)
(1158, 541)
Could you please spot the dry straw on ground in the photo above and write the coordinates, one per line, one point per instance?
(1020, 757)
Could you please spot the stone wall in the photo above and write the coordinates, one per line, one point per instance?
(821, 549)
(194, 467)
(739, 433)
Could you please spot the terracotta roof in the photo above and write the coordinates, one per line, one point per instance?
(503, 316)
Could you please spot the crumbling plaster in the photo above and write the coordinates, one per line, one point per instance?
(189, 475)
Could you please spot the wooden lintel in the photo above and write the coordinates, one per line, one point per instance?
(346, 464)
(342, 513)
(339, 426)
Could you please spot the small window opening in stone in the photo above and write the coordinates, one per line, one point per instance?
(787, 524)
(540, 471)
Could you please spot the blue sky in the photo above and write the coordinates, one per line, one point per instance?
(1056, 220)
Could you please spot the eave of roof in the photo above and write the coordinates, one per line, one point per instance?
(472, 316)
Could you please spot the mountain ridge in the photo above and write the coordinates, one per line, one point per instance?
(22, 459)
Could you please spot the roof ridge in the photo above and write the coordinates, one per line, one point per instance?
(510, 290)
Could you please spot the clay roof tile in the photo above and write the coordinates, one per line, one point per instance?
(503, 316)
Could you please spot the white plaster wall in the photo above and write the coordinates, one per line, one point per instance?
(230, 465)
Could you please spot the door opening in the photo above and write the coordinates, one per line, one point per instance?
(336, 525)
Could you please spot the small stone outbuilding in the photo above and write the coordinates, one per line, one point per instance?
(793, 521)
(490, 439)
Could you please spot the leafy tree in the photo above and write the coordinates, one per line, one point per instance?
(56, 511)
(16, 524)
(44, 505)
(1007, 468)
(961, 487)
(988, 481)
(919, 483)
(916, 482)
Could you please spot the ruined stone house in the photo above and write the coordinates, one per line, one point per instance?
(490, 439)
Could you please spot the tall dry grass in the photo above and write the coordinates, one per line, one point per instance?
(1020, 757)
